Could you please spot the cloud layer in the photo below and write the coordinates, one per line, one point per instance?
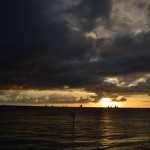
(94, 45)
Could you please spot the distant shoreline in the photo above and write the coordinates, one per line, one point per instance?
(68, 107)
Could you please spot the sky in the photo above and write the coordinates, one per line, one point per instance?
(72, 52)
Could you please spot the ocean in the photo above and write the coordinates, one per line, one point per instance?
(64, 128)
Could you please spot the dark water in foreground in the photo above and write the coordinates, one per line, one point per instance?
(52, 128)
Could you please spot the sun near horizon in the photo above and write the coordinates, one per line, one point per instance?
(72, 98)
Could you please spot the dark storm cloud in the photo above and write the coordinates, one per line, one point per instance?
(34, 41)
(89, 11)
(41, 47)
(127, 54)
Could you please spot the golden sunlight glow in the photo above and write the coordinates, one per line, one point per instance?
(107, 102)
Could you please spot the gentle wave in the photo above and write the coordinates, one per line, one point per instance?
(92, 128)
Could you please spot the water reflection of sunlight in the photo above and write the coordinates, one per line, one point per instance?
(106, 130)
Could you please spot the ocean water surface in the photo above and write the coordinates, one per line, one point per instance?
(74, 128)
